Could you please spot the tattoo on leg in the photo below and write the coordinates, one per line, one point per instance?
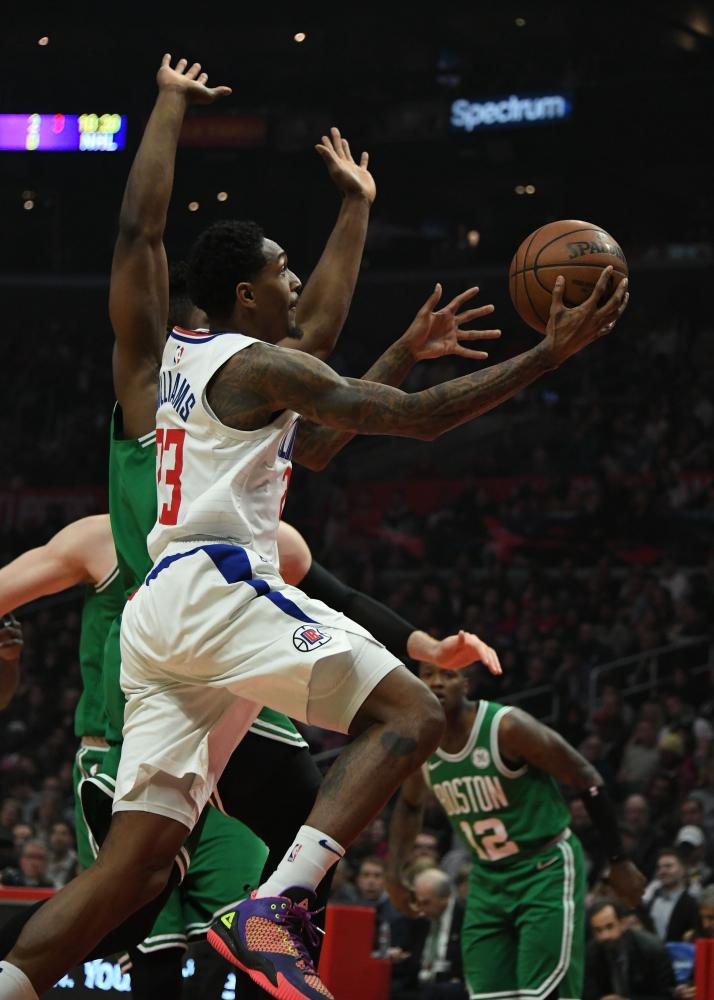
(398, 746)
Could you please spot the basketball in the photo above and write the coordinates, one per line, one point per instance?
(577, 250)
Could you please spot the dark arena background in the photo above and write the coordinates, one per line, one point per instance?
(571, 528)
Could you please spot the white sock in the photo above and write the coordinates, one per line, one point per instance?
(14, 984)
(307, 862)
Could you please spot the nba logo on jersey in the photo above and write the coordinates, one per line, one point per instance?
(295, 851)
(178, 353)
(309, 637)
(481, 757)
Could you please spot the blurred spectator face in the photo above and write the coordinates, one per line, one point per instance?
(9, 813)
(21, 833)
(579, 815)
(370, 880)
(706, 918)
(60, 838)
(636, 813)
(449, 686)
(378, 829)
(645, 734)
(342, 876)
(591, 748)
(426, 898)
(633, 921)
(606, 926)
(691, 813)
(33, 860)
(670, 871)
(425, 846)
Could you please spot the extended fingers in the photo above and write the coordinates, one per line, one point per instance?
(463, 297)
(478, 334)
(193, 71)
(476, 313)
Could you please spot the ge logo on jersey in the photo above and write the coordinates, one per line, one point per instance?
(481, 757)
(309, 637)
(178, 353)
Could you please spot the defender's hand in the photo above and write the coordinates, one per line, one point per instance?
(401, 897)
(454, 652)
(570, 330)
(191, 82)
(435, 334)
(627, 882)
(350, 178)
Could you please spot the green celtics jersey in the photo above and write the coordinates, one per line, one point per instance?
(102, 603)
(132, 510)
(498, 812)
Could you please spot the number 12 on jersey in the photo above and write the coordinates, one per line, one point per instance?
(169, 465)
(489, 839)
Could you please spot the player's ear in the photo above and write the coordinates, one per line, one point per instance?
(245, 295)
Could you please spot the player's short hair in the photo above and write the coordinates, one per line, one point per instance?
(180, 304)
(223, 255)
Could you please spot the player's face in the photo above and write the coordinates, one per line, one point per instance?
(449, 686)
(605, 925)
(275, 291)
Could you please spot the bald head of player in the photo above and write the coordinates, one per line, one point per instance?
(242, 281)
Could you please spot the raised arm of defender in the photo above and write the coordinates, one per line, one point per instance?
(139, 288)
(263, 379)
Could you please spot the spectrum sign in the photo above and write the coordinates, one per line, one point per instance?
(513, 111)
(74, 133)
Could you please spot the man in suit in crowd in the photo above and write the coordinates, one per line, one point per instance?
(672, 909)
(623, 962)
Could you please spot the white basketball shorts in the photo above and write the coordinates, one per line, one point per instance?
(212, 636)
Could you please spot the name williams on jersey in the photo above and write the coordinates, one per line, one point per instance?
(175, 389)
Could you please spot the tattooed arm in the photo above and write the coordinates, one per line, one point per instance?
(431, 335)
(263, 378)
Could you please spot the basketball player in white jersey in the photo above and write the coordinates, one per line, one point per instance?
(214, 630)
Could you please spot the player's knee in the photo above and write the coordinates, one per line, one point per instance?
(139, 852)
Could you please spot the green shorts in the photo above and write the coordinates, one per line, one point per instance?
(226, 865)
(95, 766)
(524, 934)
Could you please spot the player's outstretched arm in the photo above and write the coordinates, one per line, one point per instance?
(523, 738)
(404, 827)
(138, 294)
(433, 333)
(83, 552)
(257, 381)
(325, 300)
(399, 636)
(10, 650)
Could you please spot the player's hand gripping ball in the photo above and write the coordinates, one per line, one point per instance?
(577, 250)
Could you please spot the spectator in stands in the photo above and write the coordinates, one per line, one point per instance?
(9, 816)
(692, 846)
(62, 863)
(624, 961)
(639, 759)
(671, 908)
(436, 942)
(636, 819)
(426, 845)
(342, 889)
(370, 891)
(705, 926)
(32, 869)
(21, 833)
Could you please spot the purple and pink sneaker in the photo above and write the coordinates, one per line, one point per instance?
(269, 938)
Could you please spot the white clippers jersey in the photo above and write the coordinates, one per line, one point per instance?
(215, 482)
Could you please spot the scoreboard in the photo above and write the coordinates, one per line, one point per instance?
(87, 133)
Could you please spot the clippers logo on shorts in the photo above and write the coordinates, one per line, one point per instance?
(481, 757)
(309, 637)
(294, 853)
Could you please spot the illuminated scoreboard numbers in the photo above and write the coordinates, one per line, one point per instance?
(97, 132)
(60, 132)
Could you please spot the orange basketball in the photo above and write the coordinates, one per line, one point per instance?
(577, 250)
